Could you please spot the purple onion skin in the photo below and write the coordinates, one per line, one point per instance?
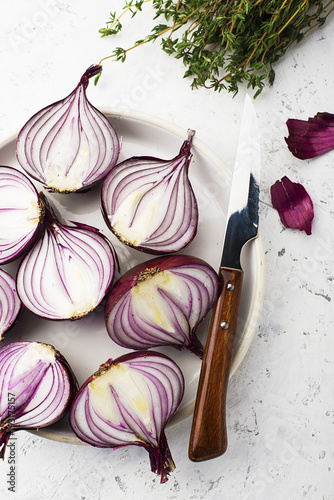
(294, 205)
(311, 138)
(161, 460)
(130, 279)
(93, 70)
(8, 425)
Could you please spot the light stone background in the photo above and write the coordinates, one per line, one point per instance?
(281, 399)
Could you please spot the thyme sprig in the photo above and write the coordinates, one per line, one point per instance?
(224, 43)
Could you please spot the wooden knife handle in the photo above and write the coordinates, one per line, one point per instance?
(208, 437)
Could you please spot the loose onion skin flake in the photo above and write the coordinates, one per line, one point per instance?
(21, 214)
(294, 204)
(161, 302)
(68, 145)
(129, 401)
(311, 138)
(149, 203)
(68, 272)
(37, 387)
(10, 304)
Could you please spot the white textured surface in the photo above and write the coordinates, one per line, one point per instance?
(281, 400)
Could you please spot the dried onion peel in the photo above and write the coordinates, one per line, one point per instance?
(294, 204)
(311, 138)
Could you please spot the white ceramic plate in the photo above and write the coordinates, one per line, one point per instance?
(85, 343)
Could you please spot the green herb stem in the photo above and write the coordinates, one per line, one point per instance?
(225, 43)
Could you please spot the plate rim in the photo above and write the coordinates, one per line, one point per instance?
(257, 303)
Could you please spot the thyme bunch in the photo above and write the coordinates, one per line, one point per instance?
(224, 43)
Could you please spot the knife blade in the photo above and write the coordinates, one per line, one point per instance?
(208, 438)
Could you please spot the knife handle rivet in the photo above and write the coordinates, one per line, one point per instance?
(230, 287)
(224, 325)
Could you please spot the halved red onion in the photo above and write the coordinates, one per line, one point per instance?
(162, 302)
(21, 213)
(149, 203)
(68, 271)
(294, 204)
(312, 137)
(10, 304)
(129, 401)
(37, 387)
(69, 145)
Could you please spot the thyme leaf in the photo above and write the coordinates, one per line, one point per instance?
(224, 43)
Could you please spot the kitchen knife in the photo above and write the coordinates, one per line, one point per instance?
(208, 437)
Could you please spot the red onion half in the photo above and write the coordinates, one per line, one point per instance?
(149, 203)
(162, 302)
(21, 213)
(129, 401)
(10, 304)
(69, 145)
(68, 271)
(37, 387)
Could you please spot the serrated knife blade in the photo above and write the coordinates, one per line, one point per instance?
(208, 437)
